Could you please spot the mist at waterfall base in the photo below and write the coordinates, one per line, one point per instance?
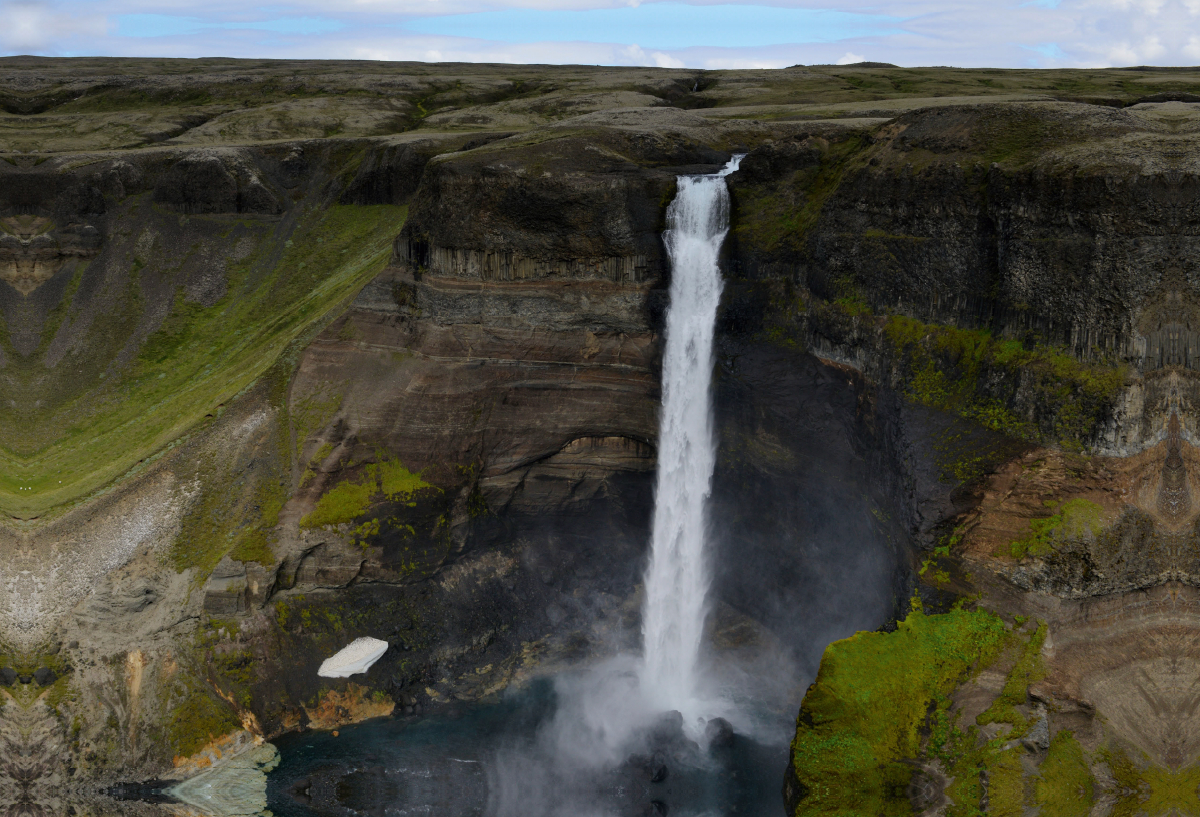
(649, 734)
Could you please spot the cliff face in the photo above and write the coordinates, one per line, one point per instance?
(1026, 268)
(327, 424)
(270, 386)
(1067, 226)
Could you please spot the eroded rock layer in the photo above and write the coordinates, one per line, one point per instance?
(365, 351)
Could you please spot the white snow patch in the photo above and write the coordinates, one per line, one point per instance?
(355, 657)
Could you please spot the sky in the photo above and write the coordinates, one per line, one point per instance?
(668, 33)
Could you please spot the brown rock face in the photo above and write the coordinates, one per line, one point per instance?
(31, 253)
(943, 326)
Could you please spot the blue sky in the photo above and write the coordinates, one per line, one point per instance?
(670, 33)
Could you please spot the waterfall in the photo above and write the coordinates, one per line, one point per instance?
(677, 578)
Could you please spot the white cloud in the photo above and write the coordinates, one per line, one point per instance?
(38, 26)
(849, 58)
(1122, 54)
(666, 60)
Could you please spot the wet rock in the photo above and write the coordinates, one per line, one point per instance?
(927, 790)
(300, 791)
(668, 729)
(719, 733)
(368, 791)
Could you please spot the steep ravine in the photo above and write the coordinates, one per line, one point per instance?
(938, 332)
(460, 460)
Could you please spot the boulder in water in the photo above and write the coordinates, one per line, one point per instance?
(718, 733)
(355, 657)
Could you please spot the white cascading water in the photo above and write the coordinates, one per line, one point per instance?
(600, 711)
(677, 578)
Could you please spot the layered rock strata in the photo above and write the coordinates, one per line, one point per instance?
(1076, 549)
(404, 384)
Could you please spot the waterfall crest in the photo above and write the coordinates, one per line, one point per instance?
(677, 578)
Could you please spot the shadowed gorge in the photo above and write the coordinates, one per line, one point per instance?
(296, 353)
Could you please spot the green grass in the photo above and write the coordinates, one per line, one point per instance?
(870, 703)
(351, 499)
(1066, 787)
(196, 720)
(1006, 784)
(198, 359)
(1075, 519)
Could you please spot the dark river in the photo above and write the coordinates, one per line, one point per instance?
(504, 758)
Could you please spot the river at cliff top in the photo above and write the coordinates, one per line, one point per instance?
(490, 759)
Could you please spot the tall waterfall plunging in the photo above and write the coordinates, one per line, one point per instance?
(677, 578)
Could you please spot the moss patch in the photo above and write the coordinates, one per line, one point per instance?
(1066, 787)
(197, 719)
(990, 772)
(1075, 519)
(312, 413)
(978, 376)
(237, 510)
(351, 499)
(1006, 785)
(882, 701)
(1028, 669)
(776, 219)
(870, 702)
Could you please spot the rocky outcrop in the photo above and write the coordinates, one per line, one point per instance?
(235, 785)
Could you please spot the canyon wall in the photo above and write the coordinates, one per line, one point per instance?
(265, 395)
